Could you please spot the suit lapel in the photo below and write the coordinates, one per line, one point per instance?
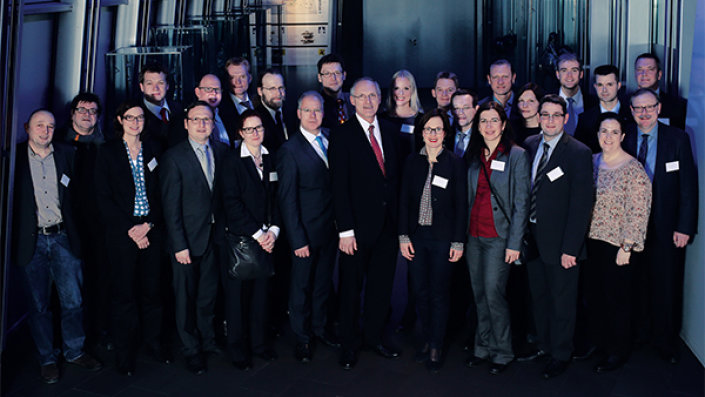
(308, 150)
(191, 157)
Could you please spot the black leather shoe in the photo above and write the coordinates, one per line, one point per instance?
(302, 352)
(328, 339)
(214, 350)
(384, 351)
(496, 369)
(421, 355)
(86, 361)
(268, 354)
(535, 355)
(609, 364)
(348, 359)
(243, 365)
(50, 373)
(474, 361)
(195, 364)
(584, 354)
(554, 368)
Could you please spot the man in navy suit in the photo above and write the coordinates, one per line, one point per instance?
(272, 93)
(306, 205)
(667, 157)
(648, 73)
(569, 72)
(559, 217)
(365, 173)
(237, 79)
(189, 191)
(209, 90)
(162, 115)
(464, 106)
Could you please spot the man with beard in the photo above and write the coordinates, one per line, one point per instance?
(163, 117)
(209, 91)
(272, 93)
(569, 72)
(336, 103)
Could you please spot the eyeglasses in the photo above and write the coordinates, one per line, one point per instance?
(432, 131)
(308, 111)
(371, 97)
(210, 90)
(326, 75)
(129, 117)
(494, 120)
(647, 108)
(201, 120)
(91, 111)
(546, 116)
(280, 89)
(251, 130)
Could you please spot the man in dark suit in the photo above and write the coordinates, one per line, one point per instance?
(365, 174)
(445, 84)
(237, 79)
(306, 205)
(667, 157)
(189, 194)
(47, 246)
(569, 72)
(337, 108)
(607, 86)
(501, 78)
(559, 217)
(648, 73)
(209, 90)
(272, 93)
(464, 106)
(162, 116)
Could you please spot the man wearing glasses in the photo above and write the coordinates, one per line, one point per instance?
(648, 73)
(189, 188)
(559, 215)
(272, 93)
(336, 103)
(209, 90)
(464, 107)
(666, 155)
(162, 115)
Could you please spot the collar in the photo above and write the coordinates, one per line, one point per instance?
(245, 152)
(578, 97)
(510, 101)
(310, 137)
(651, 134)
(156, 109)
(553, 142)
(615, 110)
(32, 153)
(424, 153)
(271, 111)
(237, 100)
(195, 145)
(366, 125)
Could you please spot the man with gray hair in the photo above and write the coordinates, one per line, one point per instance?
(365, 175)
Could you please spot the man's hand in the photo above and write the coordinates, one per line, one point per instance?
(511, 256)
(302, 252)
(183, 257)
(348, 245)
(142, 244)
(138, 232)
(680, 240)
(266, 240)
(568, 261)
(455, 255)
(407, 250)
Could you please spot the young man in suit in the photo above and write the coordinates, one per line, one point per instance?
(365, 174)
(648, 73)
(46, 244)
(336, 103)
(272, 93)
(306, 205)
(210, 91)
(189, 191)
(559, 216)
(667, 157)
(445, 84)
(501, 78)
(569, 72)
(163, 116)
(464, 106)
(237, 79)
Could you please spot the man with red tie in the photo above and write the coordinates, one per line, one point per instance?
(163, 117)
(365, 177)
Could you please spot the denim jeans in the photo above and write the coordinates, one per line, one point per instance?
(53, 262)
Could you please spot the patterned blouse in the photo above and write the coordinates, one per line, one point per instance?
(141, 202)
(622, 203)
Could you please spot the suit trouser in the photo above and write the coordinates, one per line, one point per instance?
(308, 293)
(195, 289)
(489, 274)
(373, 264)
(135, 288)
(554, 291)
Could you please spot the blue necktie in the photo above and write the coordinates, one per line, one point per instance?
(572, 118)
(322, 146)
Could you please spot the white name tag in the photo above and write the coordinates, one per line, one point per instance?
(152, 164)
(672, 166)
(555, 174)
(273, 177)
(497, 165)
(665, 121)
(439, 181)
(65, 180)
(407, 128)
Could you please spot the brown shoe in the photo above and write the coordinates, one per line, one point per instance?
(50, 373)
(86, 361)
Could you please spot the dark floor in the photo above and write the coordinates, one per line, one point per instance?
(644, 375)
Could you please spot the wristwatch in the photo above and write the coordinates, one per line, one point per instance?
(627, 247)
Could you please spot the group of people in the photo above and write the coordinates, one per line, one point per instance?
(568, 188)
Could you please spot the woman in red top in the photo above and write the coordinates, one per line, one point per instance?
(498, 194)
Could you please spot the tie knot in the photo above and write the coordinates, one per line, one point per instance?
(546, 147)
(371, 129)
(645, 137)
(571, 100)
(339, 101)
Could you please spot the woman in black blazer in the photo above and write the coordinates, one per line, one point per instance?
(129, 204)
(248, 194)
(432, 214)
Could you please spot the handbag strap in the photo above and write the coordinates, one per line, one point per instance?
(499, 202)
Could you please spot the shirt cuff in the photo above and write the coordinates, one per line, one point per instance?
(257, 235)
(456, 246)
(404, 239)
(274, 229)
(347, 233)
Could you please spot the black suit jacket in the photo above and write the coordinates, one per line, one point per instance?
(164, 135)
(449, 203)
(24, 229)
(588, 124)
(673, 108)
(230, 116)
(674, 205)
(363, 197)
(273, 132)
(305, 193)
(249, 202)
(564, 206)
(188, 203)
(115, 187)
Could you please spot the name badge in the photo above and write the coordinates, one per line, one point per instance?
(672, 166)
(152, 164)
(497, 165)
(439, 181)
(273, 177)
(664, 120)
(555, 174)
(407, 128)
(65, 180)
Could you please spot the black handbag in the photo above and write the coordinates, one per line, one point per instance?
(247, 259)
